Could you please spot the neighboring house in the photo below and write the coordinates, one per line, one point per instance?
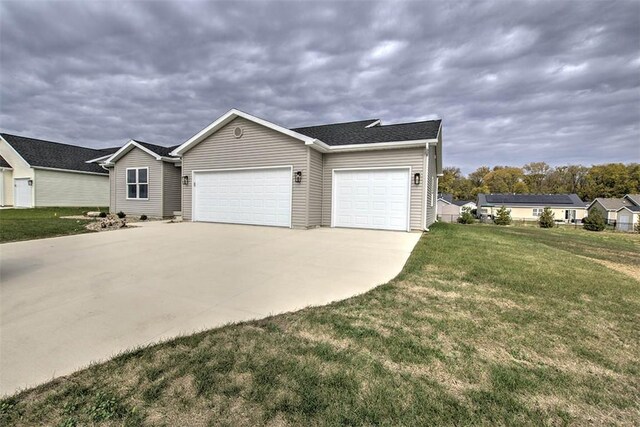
(145, 180)
(628, 216)
(245, 170)
(449, 210)
(565, 207)
(609, 207)
(43, 173)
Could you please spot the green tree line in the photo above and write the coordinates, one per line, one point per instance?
(606, 180)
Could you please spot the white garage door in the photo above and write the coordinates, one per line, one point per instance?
(624, 222)
(22, 193)
(376, 198)
(251, 196)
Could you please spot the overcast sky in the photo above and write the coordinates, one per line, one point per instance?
(513, 81)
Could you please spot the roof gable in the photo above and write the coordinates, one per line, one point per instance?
(158, 152)
(633, 198)
(226, 119)
(54, 155)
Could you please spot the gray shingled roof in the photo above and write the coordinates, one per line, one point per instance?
(3, 163)
(530, 200)
(158, 149)
(635, 198)
(446, 196)
(612, 203)
(632, 208)
(48, 154)
(462, 202)
(359, 133)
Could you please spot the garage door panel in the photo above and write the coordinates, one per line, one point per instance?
(372, 199)
(253, 196)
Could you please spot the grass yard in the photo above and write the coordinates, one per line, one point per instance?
(485, 325)
(38, 223)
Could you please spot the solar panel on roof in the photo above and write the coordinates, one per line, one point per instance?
(538, 199)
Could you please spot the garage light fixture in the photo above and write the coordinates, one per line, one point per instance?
(185, 180)
(298, 177)
(30, 182)
(416, 179)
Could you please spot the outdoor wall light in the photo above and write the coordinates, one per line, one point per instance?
(185, 180)
(416, 179)
(30, 182)
(298, 177)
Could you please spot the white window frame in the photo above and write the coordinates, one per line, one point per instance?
(137, 183)
(537, 212)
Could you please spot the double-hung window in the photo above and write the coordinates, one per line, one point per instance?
(537, 211)
(138, 183)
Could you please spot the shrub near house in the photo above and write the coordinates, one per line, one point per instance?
(503, 216)
(547, 218)
(466, 217)
(594, 222)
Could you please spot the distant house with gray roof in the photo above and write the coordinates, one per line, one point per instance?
(609, 207)
(529, 207)
(36, 172)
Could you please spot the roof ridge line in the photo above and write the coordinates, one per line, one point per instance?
(337, 123)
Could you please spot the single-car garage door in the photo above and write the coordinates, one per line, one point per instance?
(372, 198)
(260, 196)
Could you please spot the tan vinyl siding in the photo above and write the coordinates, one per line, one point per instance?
(432, 187)
(58, 188)
(413, 157)
(259, 146)
(172, 188)
(315, 188)
(137, 158)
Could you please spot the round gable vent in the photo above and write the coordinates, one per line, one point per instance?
(237, 132)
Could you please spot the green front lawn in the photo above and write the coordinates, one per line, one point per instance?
(485, 325)
(38, 223)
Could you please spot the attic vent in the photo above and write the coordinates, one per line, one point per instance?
(237, 132)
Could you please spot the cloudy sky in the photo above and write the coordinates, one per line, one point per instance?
(513, 81)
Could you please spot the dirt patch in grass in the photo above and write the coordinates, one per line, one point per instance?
(632, 271)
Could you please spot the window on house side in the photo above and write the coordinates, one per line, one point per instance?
(138, 183)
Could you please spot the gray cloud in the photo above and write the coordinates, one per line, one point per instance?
(514, 81)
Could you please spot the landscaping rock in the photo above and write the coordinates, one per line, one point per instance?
(111, 222)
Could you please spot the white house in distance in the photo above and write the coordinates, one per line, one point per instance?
(449, 209)
(38, 173)
(529, 207)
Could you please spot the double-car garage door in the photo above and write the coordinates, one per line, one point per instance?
(247, 196)
(361, 198)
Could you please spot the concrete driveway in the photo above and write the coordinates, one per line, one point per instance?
(69, 301)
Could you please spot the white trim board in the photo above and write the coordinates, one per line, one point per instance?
(69, 171)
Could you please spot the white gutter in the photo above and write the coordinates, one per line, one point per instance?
(325, 148)
(66, 170)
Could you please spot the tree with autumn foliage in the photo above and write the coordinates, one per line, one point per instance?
(607, 180)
